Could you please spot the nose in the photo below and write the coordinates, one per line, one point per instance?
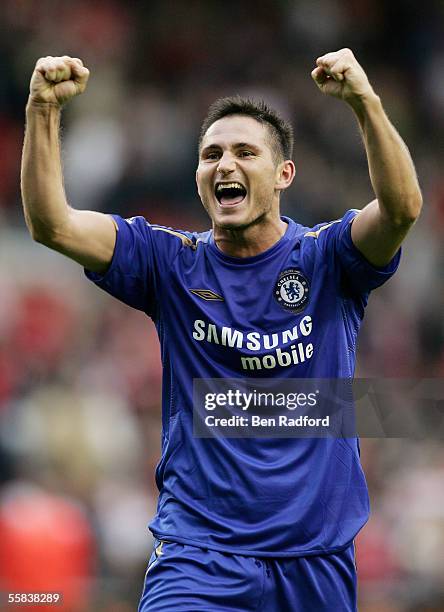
(226, 164)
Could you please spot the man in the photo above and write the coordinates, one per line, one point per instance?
(254, 523)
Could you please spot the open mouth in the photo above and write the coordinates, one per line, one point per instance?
(230, 194)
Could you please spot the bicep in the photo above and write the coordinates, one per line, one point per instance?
(87, 237)
(375, 236)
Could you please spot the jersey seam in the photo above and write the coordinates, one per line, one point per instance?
(353, 332)
(262, 595)
(252, 553)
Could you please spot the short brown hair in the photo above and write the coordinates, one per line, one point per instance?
(280, 130)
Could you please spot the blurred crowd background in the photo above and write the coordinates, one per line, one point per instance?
(80, 373)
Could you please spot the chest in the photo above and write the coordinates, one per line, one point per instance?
(260, 317)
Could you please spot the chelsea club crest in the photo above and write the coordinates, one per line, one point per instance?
(292, 290)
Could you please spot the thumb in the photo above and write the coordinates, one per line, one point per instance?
(79, 73)
(319, 75)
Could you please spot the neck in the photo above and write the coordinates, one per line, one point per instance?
(250, 240)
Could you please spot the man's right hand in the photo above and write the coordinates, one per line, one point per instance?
(85, 236)
(56, 80)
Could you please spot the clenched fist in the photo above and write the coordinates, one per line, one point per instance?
(339, 74)
(56, 80)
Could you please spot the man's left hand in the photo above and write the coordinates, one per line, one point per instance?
(339, 74)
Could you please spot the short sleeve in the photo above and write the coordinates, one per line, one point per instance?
(142, 257)
(359, 273)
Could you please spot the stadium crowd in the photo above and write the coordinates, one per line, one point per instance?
(80, 373)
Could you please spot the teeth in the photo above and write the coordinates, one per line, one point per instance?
(222, 186)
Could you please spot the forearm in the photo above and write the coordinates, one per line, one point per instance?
(391, 168)
(45, 206)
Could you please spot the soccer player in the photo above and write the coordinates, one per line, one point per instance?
(248, 523)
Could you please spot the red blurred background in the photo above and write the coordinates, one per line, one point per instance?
(80, 373)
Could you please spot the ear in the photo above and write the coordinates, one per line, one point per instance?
(285, 175)
(197, 181)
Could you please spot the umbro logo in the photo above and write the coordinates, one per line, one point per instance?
(207, 295)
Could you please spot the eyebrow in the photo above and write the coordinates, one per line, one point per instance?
(237, 145)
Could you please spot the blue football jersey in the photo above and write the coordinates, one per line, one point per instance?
(293, 311)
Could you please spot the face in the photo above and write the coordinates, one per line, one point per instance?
(238, 177)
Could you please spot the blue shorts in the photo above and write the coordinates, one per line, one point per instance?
(186, 578)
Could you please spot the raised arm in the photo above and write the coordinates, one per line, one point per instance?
(378, 230)
(87, 237)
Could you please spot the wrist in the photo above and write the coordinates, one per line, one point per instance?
(42, 107)
(365, 104)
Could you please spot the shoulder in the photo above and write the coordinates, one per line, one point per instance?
(173, 235)
(170, 237)
(331, 227)
(329, 235)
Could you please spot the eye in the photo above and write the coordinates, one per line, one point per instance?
(212, 155)
(246, 153)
